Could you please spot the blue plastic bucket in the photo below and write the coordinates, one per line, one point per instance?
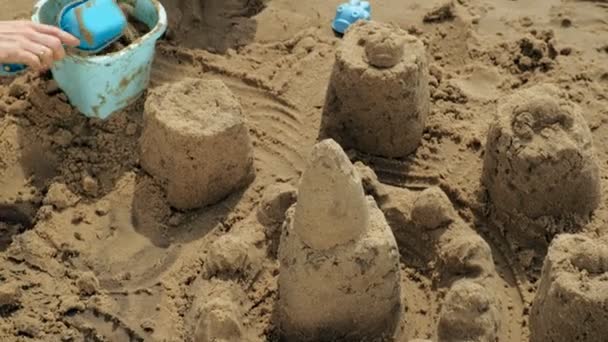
(101, 85)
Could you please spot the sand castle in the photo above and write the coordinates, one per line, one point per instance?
(338, 256)
(98, 239)
(186, 124)
(570, 303)
(378, 96)
(540, 162)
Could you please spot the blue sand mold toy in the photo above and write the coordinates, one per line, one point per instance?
(348, 13)
(11, 69)
(103, 20)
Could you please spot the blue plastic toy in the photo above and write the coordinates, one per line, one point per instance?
(348, 13)
(97, 23)
(11, 69)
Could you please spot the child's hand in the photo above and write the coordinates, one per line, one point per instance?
(35, 45)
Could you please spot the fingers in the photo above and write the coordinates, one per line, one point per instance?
(45, 55)
(52, 43)
(29, 59)
(64, 37)
(10, 54)
(50, 30)
(36, 45)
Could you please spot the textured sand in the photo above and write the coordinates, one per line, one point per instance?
(91, 250)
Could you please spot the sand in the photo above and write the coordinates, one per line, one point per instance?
(92, 249)
(388, 123)
(573, 285)
(323, 284)
(186, 124)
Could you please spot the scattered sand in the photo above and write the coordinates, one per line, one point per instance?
(91, 248)
(134, 31)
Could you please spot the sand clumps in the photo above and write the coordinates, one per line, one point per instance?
(219, 314)
(458, 250)
(469, 313)
(385, 49)
(378, 96)
(195, 139)
(19, 198)
(276, 200)
(464, 265)
(337, 255)
(465, 253)
(60, 197)
(540, 161)
(445, 11)
(430, 231)
(570, 304)
(10, 297)
(88, 284)
(433, 209)
(230, 257)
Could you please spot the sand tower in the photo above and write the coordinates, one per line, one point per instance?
(570, 303)
(539, 161)
(378, 96)
(339, 274)
(196, 141)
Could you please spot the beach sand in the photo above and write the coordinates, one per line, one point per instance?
(91, 249)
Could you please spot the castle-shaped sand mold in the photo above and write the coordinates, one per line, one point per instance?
(378, 96)
(540, 170)
(185, 125)
(570, 303)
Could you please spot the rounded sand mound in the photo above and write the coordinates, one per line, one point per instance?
(219, 315)
(432, 209)
(469, 314)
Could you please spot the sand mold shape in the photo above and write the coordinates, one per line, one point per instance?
(570, 304)
(330, 256)
(390, 122)
(540, 161)
(185, 126)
